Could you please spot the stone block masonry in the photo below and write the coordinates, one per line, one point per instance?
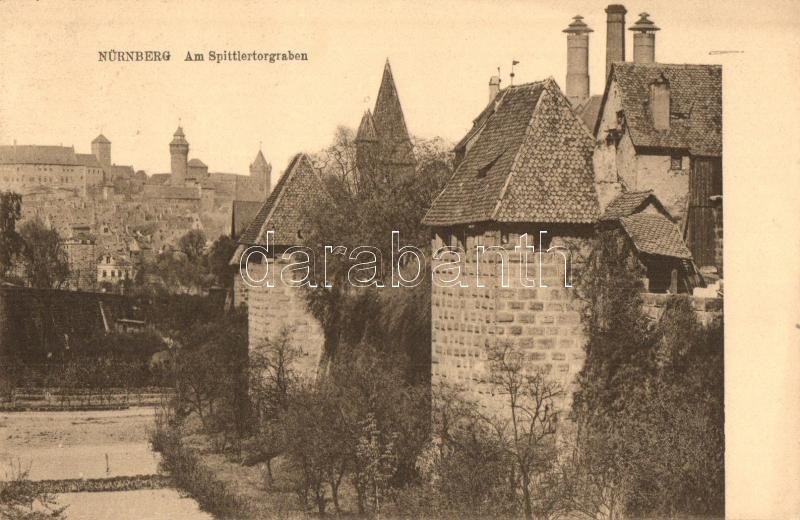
(270, 309)
(544, 323)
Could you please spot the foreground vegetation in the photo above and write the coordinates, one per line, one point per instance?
(640, 434)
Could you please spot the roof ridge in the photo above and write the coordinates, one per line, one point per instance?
(512, 168)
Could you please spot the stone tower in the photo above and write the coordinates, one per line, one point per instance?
(101, 148)
(577, 60)
(395, 152)
(260, 169)
(179, 153)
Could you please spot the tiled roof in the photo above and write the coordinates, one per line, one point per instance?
(260, 161)
(366, 129)
(196, 162)
(87, 159)
(632, 202)
(286, 210)
(654, 234)
(531, 161)
(589, 111)
(35, 154)
(179, 137)
(695, 105)
(243, 213)
(390, 124)
(101, 139)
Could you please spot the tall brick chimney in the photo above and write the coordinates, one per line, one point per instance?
(644, 39)
(615, 35)
(577, 60)
(494, 87)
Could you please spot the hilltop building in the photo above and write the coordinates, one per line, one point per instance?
(189, 179)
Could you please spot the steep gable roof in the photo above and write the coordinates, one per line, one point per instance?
(36, 154)
(589, 111)
(101, 139)
(531, 161)
(88, 160)
(285, 210)
(242, 214)
(654, 234)
(390, 124)
(695, 105)
(632, 202)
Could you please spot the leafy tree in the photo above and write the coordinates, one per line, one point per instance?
(193, 243)
(649, 406)
(43, 257)
(363, 205)
(11, 243)
(218, 258)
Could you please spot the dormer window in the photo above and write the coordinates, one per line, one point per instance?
(484, 170)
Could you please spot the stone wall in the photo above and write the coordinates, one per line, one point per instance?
(269, 309)
(544, 322)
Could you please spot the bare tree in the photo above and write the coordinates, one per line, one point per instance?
(526, 424)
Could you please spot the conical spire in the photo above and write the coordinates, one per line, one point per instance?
(389, 123)
(178, 137)
(260, 161)
(366, 130)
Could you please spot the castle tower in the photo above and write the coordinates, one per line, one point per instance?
(644, 39)
(179, 153)
(262, 170)
(101, 148)
(395, 150)
(577, 60)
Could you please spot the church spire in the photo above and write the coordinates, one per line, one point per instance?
(390, 124)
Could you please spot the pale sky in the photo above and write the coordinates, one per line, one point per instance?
(53, 90)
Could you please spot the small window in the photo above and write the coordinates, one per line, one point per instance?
(676, 162)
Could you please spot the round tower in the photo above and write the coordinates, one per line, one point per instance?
(644, 39)
(577, 60)
(179, 154)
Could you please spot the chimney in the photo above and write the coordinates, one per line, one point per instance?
(615, 35)
(660, 103)
(494, 87)
(644, 40)
(577, 60)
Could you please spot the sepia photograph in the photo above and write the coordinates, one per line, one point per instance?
(399, 260)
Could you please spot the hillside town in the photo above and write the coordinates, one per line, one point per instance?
(507, 392)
